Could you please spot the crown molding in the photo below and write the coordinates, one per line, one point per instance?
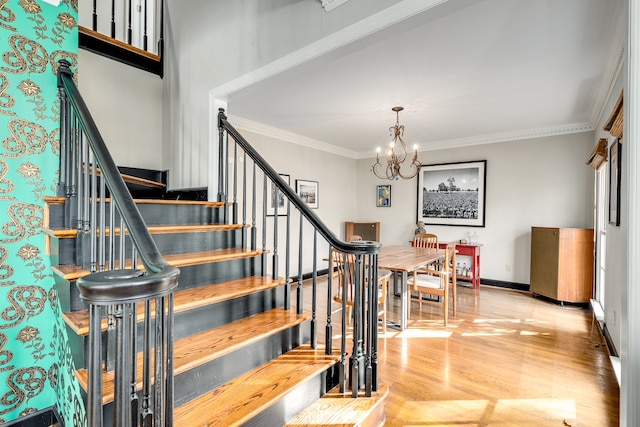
(283, 135)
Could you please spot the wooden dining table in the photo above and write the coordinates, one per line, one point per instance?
(402, 260)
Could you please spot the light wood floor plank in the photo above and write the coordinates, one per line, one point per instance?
(506, 359)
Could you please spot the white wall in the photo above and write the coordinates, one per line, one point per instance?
(337, 186)
(210, 43)
(127, 109)
(535, 182)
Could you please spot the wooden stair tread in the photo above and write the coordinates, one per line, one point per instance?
(242, 398)
(341, 410)
(190, 352)
(60, 200)
(187, 299)
(72, 272)
(153, 229)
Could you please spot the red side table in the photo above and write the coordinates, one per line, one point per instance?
(472, 250)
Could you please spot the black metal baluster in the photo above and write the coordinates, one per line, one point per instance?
(73, 185)
(144, 33)
(86, 195)
(254, 209)
(328, 345)
(343, 342)
(220, 157)
(234, 206)
(374, 339)
(121, 377)
(299, 288)
(111, 258)
(146, 414)
(94, 22)
(371, 324)
(314, 289)
(102, 228)
(356, 353)
(244, 201)
(287, 279)
(169, 385)
(93, 240)
(94, 366)
(276, 193)
(159, 368)
(226, 182)
(133, 359)
(263, 257)
(113, 19)
(129, 19)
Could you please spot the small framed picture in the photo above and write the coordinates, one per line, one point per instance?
(276, 197)
(383, 196)
(308, 192)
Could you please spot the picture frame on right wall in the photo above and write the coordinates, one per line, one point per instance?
(615, 172)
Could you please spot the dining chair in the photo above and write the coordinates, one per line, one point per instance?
(355, 238)
(348, 280)
(425, 240)
(437, 282)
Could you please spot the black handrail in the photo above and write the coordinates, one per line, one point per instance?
(114, 288)
(361, 247)
(358, 368)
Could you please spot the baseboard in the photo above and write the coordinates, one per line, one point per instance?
(306, 276)
(44, 418)
(607, 338)
(503, 284)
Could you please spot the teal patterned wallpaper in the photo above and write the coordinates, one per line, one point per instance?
(36, 368)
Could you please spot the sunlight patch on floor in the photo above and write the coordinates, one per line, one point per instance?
(530, 412)
(423, 333)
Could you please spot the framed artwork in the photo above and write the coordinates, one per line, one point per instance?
(383, 196)
(277, 197)
(308, 192)
(614, 182)
(452, 194)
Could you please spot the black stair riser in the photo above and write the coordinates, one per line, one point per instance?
(206, 377)
(296, 400)
(194, 321)
(56, 216)
(190, 277)
(67, 251)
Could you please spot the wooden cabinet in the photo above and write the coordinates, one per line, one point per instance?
(367, 230)
(562, 263)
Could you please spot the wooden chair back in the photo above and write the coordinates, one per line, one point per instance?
(425, 240)
(345, 266)
(438, 282)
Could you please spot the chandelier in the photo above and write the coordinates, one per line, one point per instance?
(397, 154)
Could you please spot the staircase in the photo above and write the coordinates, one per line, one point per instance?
(232, 349)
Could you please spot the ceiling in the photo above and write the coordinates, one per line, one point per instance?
(465, 71)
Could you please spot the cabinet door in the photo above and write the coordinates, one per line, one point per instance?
(544, 261)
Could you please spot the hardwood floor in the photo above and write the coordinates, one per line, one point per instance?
(506, 359)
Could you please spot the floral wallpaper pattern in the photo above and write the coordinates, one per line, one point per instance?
(36, 366)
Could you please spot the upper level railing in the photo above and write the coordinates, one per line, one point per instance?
(129, 31)
(257, 196)
(126, 269)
